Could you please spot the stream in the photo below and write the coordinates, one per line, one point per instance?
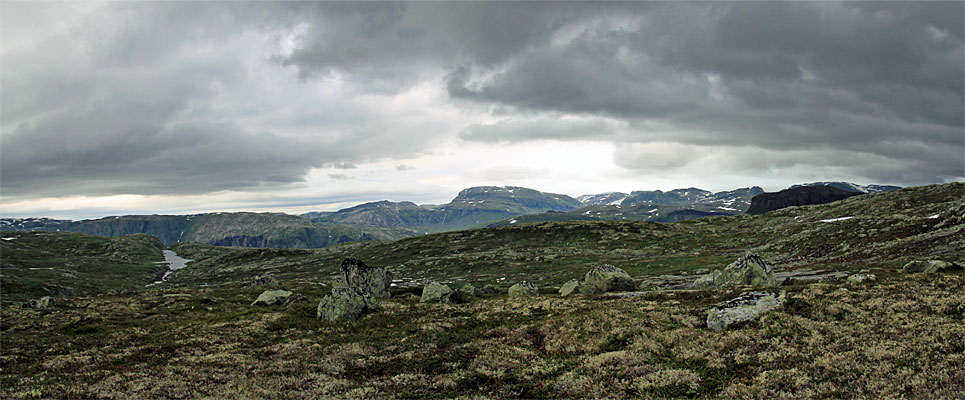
(174, 263)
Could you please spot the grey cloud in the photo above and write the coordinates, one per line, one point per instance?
(157, 98)
(404, 167)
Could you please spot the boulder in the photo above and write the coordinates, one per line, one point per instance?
(468, 290)
(439, 292)
(487, 291)
(264, 280)
(523, 288)
(370, 280)
(40, 303)
(570, 287)
(860, 278)
(747, 307)
(930, 266)
(274, 298)
(607, 278)
(747, 270)
(344, 304)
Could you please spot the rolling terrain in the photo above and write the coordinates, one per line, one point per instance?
(221, 229)
(191, 336)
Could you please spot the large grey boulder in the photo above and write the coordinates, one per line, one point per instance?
(344, 304)
(570, 287)
(523, 288)
(747, 307)
(747, 270)
(930, 266)
(434, 292)
(371, 280)
(607, 278)
(274, 298)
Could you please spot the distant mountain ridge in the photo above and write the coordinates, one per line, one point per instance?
(852, 187)
(222, 229)
(470, 208)
(388, 220)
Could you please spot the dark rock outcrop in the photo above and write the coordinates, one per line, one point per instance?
(370, 280)
(799, 196)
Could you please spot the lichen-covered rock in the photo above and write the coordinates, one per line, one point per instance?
(40, 303)
(747, 270)
(487, 291)
(371, 280)
(273, 298)
(570, 287)
(439, 292)
(264, 280)
(860, 278)
(344, 304)
(523, 288)
(747, 307)
(930, 266)
(469, 290)
(607, 278)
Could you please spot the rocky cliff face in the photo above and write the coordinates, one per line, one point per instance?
(799, 196)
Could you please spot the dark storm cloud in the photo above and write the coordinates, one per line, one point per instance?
(146, 98)
(779, 75)
(173, 97)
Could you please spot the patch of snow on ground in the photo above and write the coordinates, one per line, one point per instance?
(836, 219)
(654, 210)
(727, 208)
(930, 217)
(9, 238)
(512, 221)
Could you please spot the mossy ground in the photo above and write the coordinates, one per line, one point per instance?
(903, 336)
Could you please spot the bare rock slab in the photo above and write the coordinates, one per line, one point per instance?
(747, 307)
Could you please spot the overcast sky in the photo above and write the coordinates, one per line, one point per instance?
(178, 107)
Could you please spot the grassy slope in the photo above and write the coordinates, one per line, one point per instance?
(60, 263)
(887, 229)
(902, 336)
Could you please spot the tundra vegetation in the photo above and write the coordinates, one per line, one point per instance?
(901, 334)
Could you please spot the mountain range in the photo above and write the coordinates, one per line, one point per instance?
(386, 220)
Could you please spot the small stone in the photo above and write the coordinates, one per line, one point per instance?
(273, 298)
(487, 291)
(570, 287)
(930, 266)
(860, 278)
(43, 302)
(264, 280)
(747, 307)
(607, 278)
(523, 288)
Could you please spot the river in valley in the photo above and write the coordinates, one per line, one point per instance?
(174, 263)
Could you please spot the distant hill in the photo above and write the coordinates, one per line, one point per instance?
(852, 187)
(222, 229)
(797, 196)
(659, 206)
(472, 207)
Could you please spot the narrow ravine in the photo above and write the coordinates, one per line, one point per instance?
(174, 262)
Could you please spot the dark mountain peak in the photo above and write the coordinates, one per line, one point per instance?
(798, 196)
